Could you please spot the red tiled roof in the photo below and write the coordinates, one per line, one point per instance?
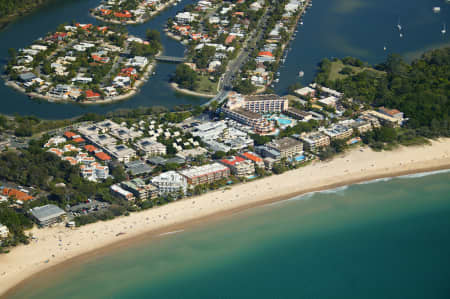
(79, 140)
(265, 53)
(232, 162)
(252, 157)
(91, 94)
(19, 195)
(90, 148)
(69, 134)
(125, 14)
(230, 38)
(102, 156)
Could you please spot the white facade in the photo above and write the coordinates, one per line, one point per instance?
(4, 231)
(170, 182)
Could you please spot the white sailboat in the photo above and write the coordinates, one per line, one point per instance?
(384, 48)
(398, 25)
(444, 30)
(401, 35)
(301, 74)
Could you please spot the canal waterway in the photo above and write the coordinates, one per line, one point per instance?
(332, 28)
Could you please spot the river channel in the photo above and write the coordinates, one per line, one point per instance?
(332, 28)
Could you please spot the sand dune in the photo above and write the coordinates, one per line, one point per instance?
(58, 244)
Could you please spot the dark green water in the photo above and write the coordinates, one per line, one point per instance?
(332, 28)
(386, 239)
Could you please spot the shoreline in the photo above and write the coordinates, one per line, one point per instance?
(365, 165)
(151, 15)
(145, 77)
(191, 92)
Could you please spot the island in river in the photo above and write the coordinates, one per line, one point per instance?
(83, 63)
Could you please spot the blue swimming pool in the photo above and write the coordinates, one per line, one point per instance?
(282, 121)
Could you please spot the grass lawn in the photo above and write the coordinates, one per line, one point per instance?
(205, 85)
(337, 66)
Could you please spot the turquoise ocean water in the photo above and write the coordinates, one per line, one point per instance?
(383, 239)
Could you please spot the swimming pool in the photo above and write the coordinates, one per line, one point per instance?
(282, 120)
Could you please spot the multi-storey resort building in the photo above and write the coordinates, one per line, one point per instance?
(205, 174)
(287, 146)
(315, 140)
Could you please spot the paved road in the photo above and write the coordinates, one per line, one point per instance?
(250, 43)
(226, 83)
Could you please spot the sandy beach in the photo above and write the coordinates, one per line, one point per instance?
(190, 92)
(61, 246)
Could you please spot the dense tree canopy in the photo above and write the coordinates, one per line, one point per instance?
(185, 77)
(420, 89)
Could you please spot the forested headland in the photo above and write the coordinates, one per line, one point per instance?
(420, 89)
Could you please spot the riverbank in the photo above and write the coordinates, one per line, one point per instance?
(191, 92)
(62, 246)
(140, 21)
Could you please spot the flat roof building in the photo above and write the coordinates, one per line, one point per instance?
(138, 167)
(170, 182)
(299, 114)
(140, 189)
(266, 103)
(266, 151)
(122, 193)
(205, 174)
(256, 121)
(121, 152)
(287, 146)
(315, 140)
(48, 214)
(338, 131)
(150, 147)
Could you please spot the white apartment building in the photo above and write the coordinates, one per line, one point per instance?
(170, 182)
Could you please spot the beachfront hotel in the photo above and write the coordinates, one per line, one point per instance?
(170, 182)
(205, 174)
(385, 119)
(258, 161)
(338, 131)
(47, 215)
(287, 146)
(121, 193)
(239, 166)
(315, 140)
(140, 189)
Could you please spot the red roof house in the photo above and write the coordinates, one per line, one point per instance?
(69, 134)
(90, 95)
(102, 156)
